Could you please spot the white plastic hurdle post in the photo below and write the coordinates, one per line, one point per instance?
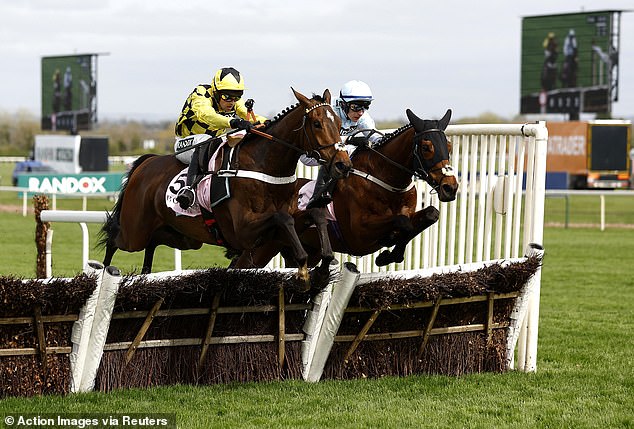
(91, 329)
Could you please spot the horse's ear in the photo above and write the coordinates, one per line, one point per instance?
(415, 121)
(300, 97)
(326, 96)
(442, 124)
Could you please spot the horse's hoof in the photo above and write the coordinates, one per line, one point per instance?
(432, 214)
(304, 277)
(319, 276)
(384, 258)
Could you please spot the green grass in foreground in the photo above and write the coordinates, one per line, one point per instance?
(584, 377)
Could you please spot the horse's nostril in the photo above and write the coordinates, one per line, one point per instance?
(447, 189)
(343, 168)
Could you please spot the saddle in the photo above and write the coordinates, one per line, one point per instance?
(211, 189)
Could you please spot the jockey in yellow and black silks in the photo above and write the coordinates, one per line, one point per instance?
(213, 110)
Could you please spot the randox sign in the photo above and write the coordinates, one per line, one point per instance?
(71, 183)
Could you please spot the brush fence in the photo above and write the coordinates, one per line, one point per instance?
(218, 325)
(498, 212)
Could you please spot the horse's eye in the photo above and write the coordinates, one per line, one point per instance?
(317, 124)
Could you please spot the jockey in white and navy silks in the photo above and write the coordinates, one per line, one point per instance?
(348, 126)
(351, 106)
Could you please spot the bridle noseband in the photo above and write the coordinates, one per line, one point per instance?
(316, 153)
(421, 170)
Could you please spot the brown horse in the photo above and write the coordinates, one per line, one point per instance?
(256, 212)
(375, 206)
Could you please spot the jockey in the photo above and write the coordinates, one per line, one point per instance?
(211, 109)
(351, 106)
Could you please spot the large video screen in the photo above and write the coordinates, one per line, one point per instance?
(569, 62)
(69, 92)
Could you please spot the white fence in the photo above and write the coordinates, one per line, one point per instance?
(24, 193)
(81, 218)
(322, 323)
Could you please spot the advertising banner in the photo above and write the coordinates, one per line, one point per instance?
(90, 183)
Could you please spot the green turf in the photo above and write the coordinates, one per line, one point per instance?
(584, 375)
(583, 380)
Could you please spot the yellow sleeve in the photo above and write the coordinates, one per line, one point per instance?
(204, 111)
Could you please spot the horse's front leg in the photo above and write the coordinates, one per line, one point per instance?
(406, 230)
(424, 218)
(285, 222)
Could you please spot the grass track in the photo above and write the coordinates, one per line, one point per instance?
(585, 359)
(584, 377)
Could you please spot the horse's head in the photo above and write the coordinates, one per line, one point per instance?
(321, 127)
(431, 155)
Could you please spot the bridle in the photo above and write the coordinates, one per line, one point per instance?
(421, 166)
(441, 152)
(317, 151)
(313, 153)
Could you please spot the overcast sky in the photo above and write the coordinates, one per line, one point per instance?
(427, 56)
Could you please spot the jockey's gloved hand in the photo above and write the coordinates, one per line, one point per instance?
(358, 141)
(241, 124)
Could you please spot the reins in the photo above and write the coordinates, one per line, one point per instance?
(419, 171)
(302, 126)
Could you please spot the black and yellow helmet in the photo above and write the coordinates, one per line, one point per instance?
(228, 79)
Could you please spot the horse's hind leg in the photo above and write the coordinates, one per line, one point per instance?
(286, 223)
(148, 259)
(110, 251)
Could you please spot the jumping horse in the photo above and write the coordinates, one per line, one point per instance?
(375, 206)
(258, 209)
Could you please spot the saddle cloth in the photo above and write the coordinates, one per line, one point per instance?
(202, 189)
(304, 196)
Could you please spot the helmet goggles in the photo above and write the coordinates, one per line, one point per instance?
(230, 95)
(358, 106)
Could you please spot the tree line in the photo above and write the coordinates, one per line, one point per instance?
(18, 130)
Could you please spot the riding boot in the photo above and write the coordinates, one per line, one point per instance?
(324, 185)
(186, 196)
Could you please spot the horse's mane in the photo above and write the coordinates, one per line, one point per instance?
(277, 118)
(386, 138)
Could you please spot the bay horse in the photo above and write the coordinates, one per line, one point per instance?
(258, 209)
(375, 206)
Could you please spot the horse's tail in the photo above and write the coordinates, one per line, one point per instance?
(110, 228)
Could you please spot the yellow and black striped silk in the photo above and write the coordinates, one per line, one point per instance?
(200, 115)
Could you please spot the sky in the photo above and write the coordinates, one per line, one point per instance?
(426, 56)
